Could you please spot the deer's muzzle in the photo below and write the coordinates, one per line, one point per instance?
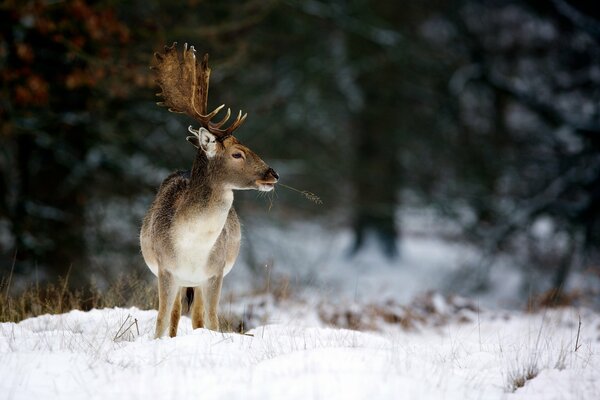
(269, 180)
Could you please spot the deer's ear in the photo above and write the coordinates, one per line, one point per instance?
(194, 141)
(208, 142)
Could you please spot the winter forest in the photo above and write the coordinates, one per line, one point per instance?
(435, 230)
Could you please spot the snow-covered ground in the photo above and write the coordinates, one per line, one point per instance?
(321, 326)
(106, 354)
(315, 256)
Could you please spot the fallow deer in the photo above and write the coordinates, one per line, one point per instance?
(190, 237)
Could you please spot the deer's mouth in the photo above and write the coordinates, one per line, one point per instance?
(266, 185)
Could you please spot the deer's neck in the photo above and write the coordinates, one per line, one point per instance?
(206, 191)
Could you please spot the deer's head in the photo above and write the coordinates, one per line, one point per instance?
(236, 165)
(184, 85)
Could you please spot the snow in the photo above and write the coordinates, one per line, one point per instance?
(86, 354)
(322, 326)
(318, 257)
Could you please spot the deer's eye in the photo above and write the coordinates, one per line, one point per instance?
(237, 155)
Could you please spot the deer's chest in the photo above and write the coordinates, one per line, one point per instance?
(196, 248)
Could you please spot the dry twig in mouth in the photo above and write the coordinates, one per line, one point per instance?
(308, 195)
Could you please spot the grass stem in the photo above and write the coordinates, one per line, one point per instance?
(308, 195)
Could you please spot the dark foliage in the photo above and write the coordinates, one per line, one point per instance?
(486, 111)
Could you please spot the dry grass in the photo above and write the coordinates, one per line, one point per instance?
(56, 298)
(131, 290)
(518, 377)
(426, 310)
(555, 298)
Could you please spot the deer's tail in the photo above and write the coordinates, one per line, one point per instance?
(187, 298)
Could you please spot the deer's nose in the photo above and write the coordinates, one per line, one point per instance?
(273, 173)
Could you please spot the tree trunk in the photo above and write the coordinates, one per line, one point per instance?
(376, 175)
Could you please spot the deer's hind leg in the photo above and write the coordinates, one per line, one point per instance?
(167, 293)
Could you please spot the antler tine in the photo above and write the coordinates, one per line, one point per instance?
(220, 123)
(205, 119)
(237, 123)
(229, 131)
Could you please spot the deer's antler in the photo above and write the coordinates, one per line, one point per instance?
(184, 85)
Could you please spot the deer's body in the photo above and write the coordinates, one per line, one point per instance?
(195, 237)
(190, 237)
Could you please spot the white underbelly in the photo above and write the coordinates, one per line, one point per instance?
(191, 267)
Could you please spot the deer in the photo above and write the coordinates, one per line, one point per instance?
(190, 235)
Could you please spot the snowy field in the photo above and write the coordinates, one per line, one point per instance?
(109, 354)
(322, 326)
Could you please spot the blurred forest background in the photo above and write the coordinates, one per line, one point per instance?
(486, 113)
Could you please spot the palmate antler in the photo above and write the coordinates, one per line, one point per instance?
(184, 85)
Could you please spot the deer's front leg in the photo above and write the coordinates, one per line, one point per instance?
(175, 314)
(167, 292)
(198, 309)
(212, 292)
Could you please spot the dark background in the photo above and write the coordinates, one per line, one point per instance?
(483, 112)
